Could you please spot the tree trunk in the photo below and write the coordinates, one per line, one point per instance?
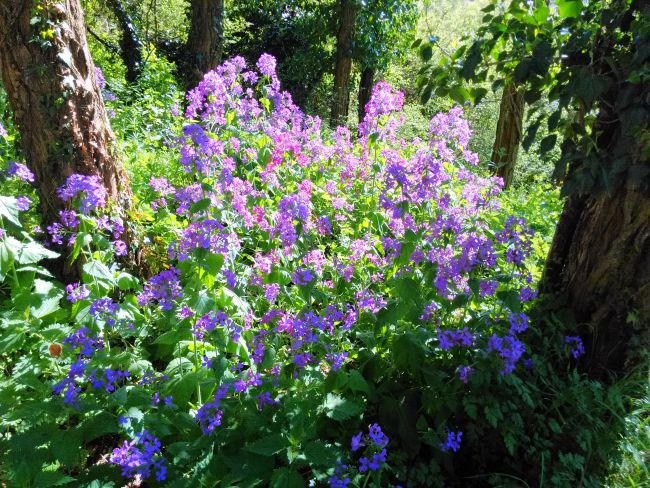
(130, 45)
(600, 264)
(204, 46)
(365, 90)
(341, 95)
(508, 134)
(57, 105)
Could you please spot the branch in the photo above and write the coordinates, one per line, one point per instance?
(111, 47)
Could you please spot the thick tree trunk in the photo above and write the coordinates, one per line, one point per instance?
(341, 95)
(57, 105)
(130, 45)
(600, 264)
(508, 134)
(204, 46)
(365, 90)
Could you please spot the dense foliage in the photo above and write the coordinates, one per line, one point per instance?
(331, 309)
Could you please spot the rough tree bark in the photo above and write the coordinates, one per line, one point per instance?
(508, 133)
(365, 90)
(130, 45)
(341, 95)
(57, 105)
(204, 46)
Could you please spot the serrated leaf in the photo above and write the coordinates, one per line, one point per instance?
(339, 408)
(269, 445)
(286, 478)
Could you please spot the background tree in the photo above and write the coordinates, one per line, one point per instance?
(130, 45)
(385, 28)
(297, 32)
(204, 47)
(591, 63)
(50, 81)
(509, 33)
(343, 67)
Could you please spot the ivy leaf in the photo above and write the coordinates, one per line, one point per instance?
(547, 143)
(569, 9)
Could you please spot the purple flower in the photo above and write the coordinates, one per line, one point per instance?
(452, 442)
(85, 341)
(377, 436)
(21, 171)
(3, 131)
(119, 247)
(99, 76)
(89, 189)
(163, 289)
(518, 322)
(104, 308)
(465, 373)
(140, 456)
(302, 276)
(509, 348)
(271, 292)
(209, 415)
(451, 338)
(23, 203)
(266, 65)
(357, 442)
(77, 292)
(69, 218)
(578, 348)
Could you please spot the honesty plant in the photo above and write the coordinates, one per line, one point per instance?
(293, 254)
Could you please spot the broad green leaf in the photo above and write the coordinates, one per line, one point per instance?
(267, 446)
(568, 9)
(33, 252)
(99, 270)
(339, 408)
(286, 478)
(9, 211)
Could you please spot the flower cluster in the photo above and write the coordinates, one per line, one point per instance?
(140, 456)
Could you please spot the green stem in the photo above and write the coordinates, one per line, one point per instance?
(196, 368)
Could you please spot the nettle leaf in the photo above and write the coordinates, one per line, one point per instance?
(317, 453)
(97, 269)
(268, 446)
(33, 252)
(286, 478)
(339, 408)
(9, 211)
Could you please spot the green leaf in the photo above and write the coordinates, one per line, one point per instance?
(9, 211)
(569, 9)
(200, 205)
(339, 408)
(33, 252)
(99, 270)
(459, 94)
(268, 446)
(547, 143)
(317, 453)
(356, 382)
(52, 478)
(126, 281)
(426, 52)
(286, 478)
